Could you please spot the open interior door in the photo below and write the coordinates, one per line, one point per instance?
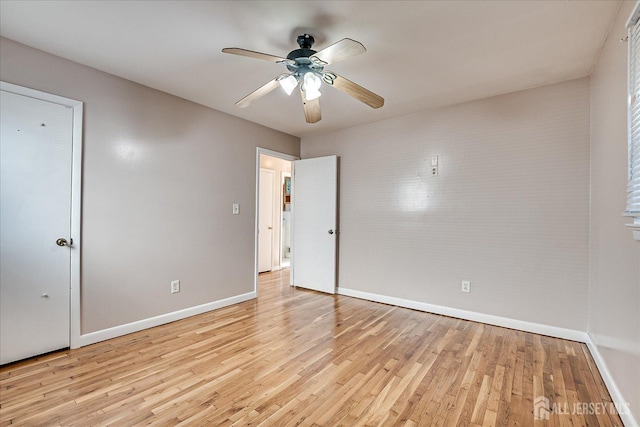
(314, 234)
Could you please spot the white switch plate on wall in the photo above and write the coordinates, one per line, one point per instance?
(175, 286)
(466, 286)
(236, 209)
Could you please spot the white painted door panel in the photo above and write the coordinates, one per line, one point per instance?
(35, 210)
(265, 220)
(314, 205)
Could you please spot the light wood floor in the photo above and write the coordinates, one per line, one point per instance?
(296, 357)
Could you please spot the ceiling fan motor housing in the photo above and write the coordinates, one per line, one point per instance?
(301, 57)
(300, 53)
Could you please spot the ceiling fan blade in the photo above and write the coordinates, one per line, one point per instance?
(311, 109)
(257, 55)
(358, 92)
(260, 92)
(338, 51)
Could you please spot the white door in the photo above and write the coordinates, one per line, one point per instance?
(265, 220)
(35, 211)
(314, 206)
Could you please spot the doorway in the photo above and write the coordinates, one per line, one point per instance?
(275, 212)
(40, 221)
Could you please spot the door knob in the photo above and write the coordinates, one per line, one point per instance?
(330, 231)
(62, 242)
(270, 228)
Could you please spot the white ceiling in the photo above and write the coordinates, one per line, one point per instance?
(420, 54)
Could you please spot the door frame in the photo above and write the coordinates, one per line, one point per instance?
(278, 155)
(76, 198)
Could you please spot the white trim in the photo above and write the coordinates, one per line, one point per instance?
(521, 325)
(537, 328)
(278, 155)
(633, 69)
(634, 16)
(616, 396)
(76, 215)
(76, 197)
(118, 331)
(635, 228)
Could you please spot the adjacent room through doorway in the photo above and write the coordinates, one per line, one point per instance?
(273, 228)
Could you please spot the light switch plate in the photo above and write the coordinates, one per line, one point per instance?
(466, 286)
(175, 286)
(236, 209)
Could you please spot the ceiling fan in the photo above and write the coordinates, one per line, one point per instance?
(306, 68)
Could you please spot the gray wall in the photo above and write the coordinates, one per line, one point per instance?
(614, 293)
(160, 177)
(508, 211)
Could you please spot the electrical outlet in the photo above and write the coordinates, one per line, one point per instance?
(466, 286)
(175, 286)
(434, 170)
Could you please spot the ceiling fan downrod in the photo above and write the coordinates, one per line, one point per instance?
(305, 41)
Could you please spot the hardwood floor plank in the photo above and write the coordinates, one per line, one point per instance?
(298, 357)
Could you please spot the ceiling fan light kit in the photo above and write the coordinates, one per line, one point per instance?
(306, 69)
(312, 85)
(288, 83)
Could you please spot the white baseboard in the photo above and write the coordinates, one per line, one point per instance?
(627, 417)
(118, 331)
(570, 334)
(537, 328)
